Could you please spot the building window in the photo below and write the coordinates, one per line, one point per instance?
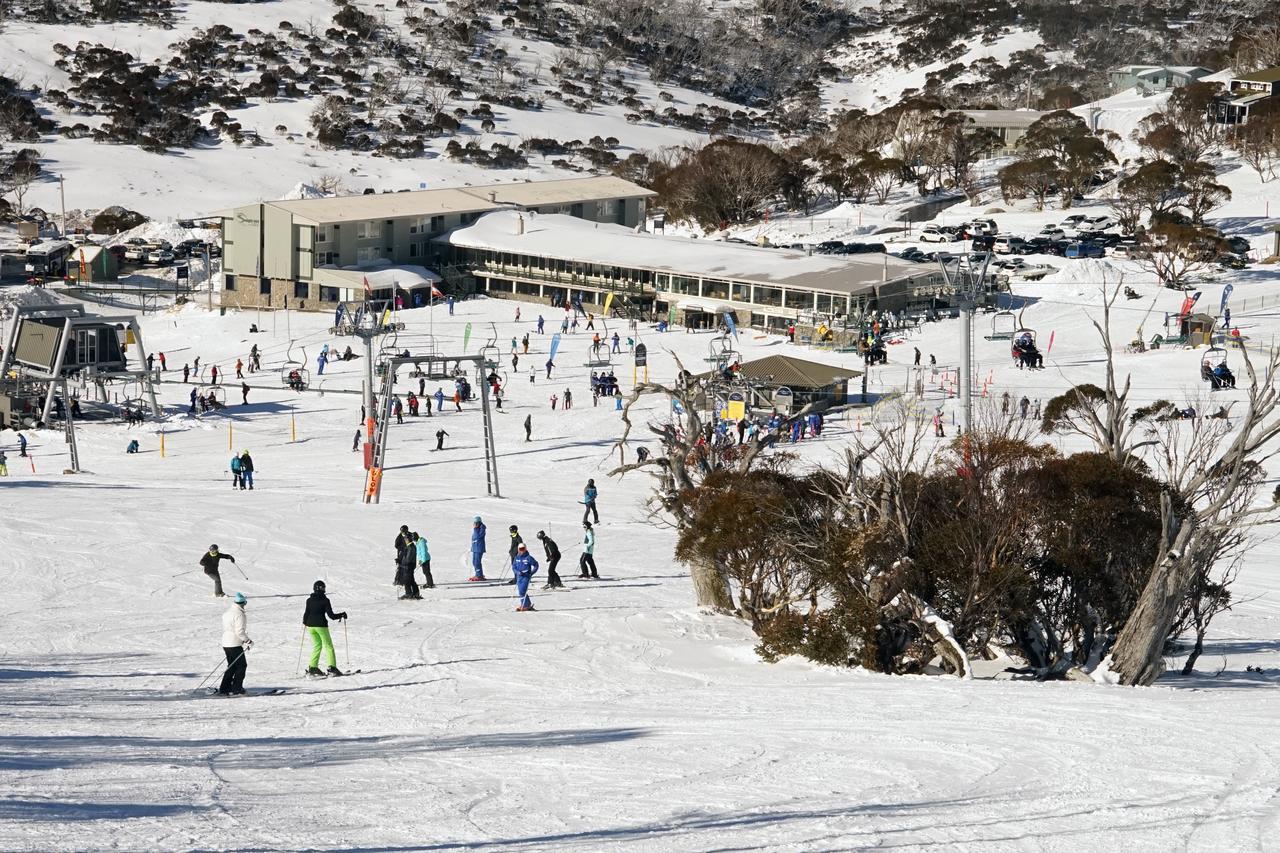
(609, 207)
(328, 259)
(368, 230)
(684, 284)
(715, 289)
(766, 295)
(365, 254)
(413, 250)
(322, 233)
(437, 224)
(264, 286)
(301, 290)
(229, 282)
(329, 294)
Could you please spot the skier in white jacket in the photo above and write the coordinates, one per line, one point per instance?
(235, 643)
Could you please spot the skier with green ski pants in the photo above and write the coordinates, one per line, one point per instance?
(318, 607)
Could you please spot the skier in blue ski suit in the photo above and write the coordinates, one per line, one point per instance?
(524, 566)
(477, 549)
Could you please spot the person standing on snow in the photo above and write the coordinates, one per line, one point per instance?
(540, 325)
(210, 562)
(588, 560)
(589, 502)
(246, 470)
(523, 566)
(235, 645)
(440, 434)
(439, 395)
(244, 393)
(517, 542)
(406, 564)
(318, 607)
(236, 481)
(424, 560)
(402, 542)
(550, 364)
(239, 368)
(186, 373)
(528, 427)
(22, 445)
(214, 374)
(553, 560)
(1023, 405)
(477, 549)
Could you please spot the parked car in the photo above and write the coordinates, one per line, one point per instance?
(1129, 251)
(1074, 220)
(160, 257)
(983, 243)
(1053, 232)
(1007, 244)
(1100, 223)
(935, 235)
(135, 252)
(980, 226)
(1084, 249)
(827, 247)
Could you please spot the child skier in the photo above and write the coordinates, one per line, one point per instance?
(318, 607)
(524, 566)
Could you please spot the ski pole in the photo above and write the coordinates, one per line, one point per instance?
(211, 674)
(240, 570)
(346, 646)
(302, 641)
(180, 574)
(219, 666)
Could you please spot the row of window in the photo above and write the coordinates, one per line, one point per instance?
(372, 229)
(753, 294)
(301, 289)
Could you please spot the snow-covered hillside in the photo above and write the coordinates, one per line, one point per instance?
(616, 716)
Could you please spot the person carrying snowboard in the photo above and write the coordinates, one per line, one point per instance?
(553, 560)
(523, 566)
(477, 549)
(314, 618)
(424, 560)
(235, 645)
(588, 560)
(209, 562)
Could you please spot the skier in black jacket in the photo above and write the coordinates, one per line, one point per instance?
(209, 562)
(402, 539)
(553, 559)
(406, 563)
(516, 541)
(318, 607)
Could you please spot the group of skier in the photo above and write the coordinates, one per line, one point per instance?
(236, 642)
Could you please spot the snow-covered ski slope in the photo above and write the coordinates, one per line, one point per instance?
(616, 717)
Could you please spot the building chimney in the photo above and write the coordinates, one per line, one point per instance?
(519, 224)
(493, 197)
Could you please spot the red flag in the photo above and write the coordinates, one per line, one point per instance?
(1049, 348)
(368, 291)
(435, 293)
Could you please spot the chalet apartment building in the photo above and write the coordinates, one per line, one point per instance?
(275, 253)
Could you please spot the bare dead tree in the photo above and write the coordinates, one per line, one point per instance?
(1213, 476)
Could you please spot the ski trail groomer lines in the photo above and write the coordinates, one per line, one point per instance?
(314, 618)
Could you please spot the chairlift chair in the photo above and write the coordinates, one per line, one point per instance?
(219, 393)
(292, 365)
(1003, 326)
(1212, 358)
(1022, 337)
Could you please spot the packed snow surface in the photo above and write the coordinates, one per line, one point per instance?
(615, 717)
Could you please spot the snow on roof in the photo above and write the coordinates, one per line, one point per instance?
(571, 239)
(1004, 118)
(407, 276)
(458, 199)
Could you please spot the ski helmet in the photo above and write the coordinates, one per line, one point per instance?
(318, 586)
(514, 528)
(541, 535)
(240, 599)
(404, 528)
(213, 548)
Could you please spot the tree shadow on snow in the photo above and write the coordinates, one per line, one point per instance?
(70, 812)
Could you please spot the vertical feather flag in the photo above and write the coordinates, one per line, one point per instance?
(555, 346)
(466, 337)
(1049, 348)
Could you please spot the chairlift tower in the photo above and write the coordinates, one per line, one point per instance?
(367, 320)
(967, 279)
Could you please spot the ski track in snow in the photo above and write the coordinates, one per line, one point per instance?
(617, 717)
